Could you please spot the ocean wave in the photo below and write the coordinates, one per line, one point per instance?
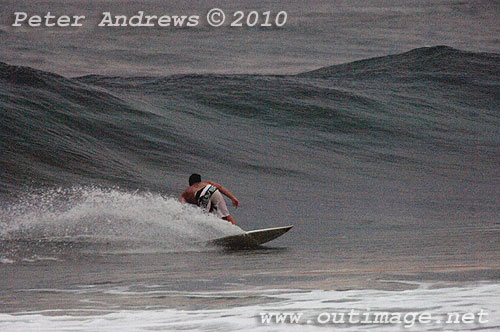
(432, 63)
(139, 132)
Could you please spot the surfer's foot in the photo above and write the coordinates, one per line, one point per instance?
(230, 219)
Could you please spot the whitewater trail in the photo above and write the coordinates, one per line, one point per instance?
(102, 215)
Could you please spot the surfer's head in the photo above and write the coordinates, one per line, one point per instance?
(194, 178)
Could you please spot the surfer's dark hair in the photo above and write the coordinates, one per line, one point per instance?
(194, 178)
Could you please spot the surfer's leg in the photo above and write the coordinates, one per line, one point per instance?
(230, 219)
(219, 205)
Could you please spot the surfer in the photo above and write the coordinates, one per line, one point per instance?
(207, 195)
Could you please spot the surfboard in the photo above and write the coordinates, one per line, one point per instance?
(251, 239)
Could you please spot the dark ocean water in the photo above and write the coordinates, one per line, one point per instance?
(393, 139)
(388, 167)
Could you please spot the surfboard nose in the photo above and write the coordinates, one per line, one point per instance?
(251, 239)
(262, 236)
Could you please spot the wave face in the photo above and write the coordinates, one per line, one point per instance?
(131, 130)
(427, 116)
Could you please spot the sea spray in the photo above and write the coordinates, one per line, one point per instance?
(109, 215)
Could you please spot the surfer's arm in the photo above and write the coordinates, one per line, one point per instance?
(226, 192)
(183, 199)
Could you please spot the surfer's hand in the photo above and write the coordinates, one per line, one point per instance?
(236, 202)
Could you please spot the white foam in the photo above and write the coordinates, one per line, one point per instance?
(4, 260)
(97, 214)
(36, 258)
(459, 299)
